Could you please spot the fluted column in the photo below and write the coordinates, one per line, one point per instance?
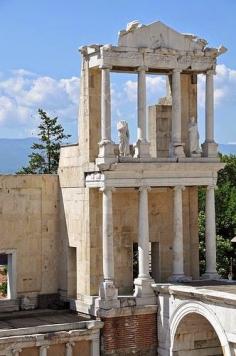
(209, 146)
(142, 146)
(143, 282)
(178, 243)
(210, 233)
(69, 348)
(176, 141)
(106, 146)
(108, 290)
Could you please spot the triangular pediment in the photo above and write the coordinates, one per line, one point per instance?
(158, 35)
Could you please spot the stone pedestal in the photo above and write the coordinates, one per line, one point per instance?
(142, 149)
(210, 149)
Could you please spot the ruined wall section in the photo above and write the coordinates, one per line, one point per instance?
(29, 226)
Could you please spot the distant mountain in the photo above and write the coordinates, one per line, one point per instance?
(14, 153)
(227, 149)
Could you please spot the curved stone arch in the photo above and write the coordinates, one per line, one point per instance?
(190, 307)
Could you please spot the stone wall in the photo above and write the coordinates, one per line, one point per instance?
(29, 227)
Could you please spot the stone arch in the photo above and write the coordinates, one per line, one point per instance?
(199, 308)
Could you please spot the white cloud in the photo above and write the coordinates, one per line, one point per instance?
(23, 92)
(224, 86)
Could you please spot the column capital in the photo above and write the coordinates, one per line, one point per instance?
(107, 189)
(16, 352)
(70, 344)
(144, 187)
(176, 70)
(211, 186)
(211, 72)
(179, 187)
(142, 68)
(105, 66)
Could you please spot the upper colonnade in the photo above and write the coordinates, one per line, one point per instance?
(154, 49)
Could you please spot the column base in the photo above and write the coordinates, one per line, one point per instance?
(141, 149)
(143, 288)
(108, 291)
(179, 278)
(177, 150)
(209, 149)
(106, 153)
(211, 275)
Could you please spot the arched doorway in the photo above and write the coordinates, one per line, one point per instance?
(196, 336)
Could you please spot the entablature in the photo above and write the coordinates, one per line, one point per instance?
(154, 175)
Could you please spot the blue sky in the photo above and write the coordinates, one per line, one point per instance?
(40, 63)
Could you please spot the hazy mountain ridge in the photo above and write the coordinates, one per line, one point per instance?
(14, 153)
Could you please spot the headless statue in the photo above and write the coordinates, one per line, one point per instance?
(193, 137)
(123, 133)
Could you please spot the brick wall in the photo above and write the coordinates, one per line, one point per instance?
(130, 335)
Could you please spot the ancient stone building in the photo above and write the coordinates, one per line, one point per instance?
(72, 239)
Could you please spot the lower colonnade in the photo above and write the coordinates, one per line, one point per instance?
(143, 282)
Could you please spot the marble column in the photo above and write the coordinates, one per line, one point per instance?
(16, 352)
(107, 290)
(142, 146)
(95, 347)
(43, 350)
(178, 243)
(209, 147)
(106, 146)
(144, 281)
(210, 231)
(69, 348)
(176, 148)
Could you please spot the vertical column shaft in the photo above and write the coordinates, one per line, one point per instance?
(142, 114)
(43, 350)
(210, 231)
(69, 348)
(108, 254)
(209, 107)
(176, 106)
(143, 234)
(178, 246)
(105, 105)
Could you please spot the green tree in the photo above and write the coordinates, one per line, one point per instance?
(45, 156)
(225, 217)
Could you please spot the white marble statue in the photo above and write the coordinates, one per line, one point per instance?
(123, 133)
(193, 137)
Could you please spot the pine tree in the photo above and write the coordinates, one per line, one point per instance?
(45, 156)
